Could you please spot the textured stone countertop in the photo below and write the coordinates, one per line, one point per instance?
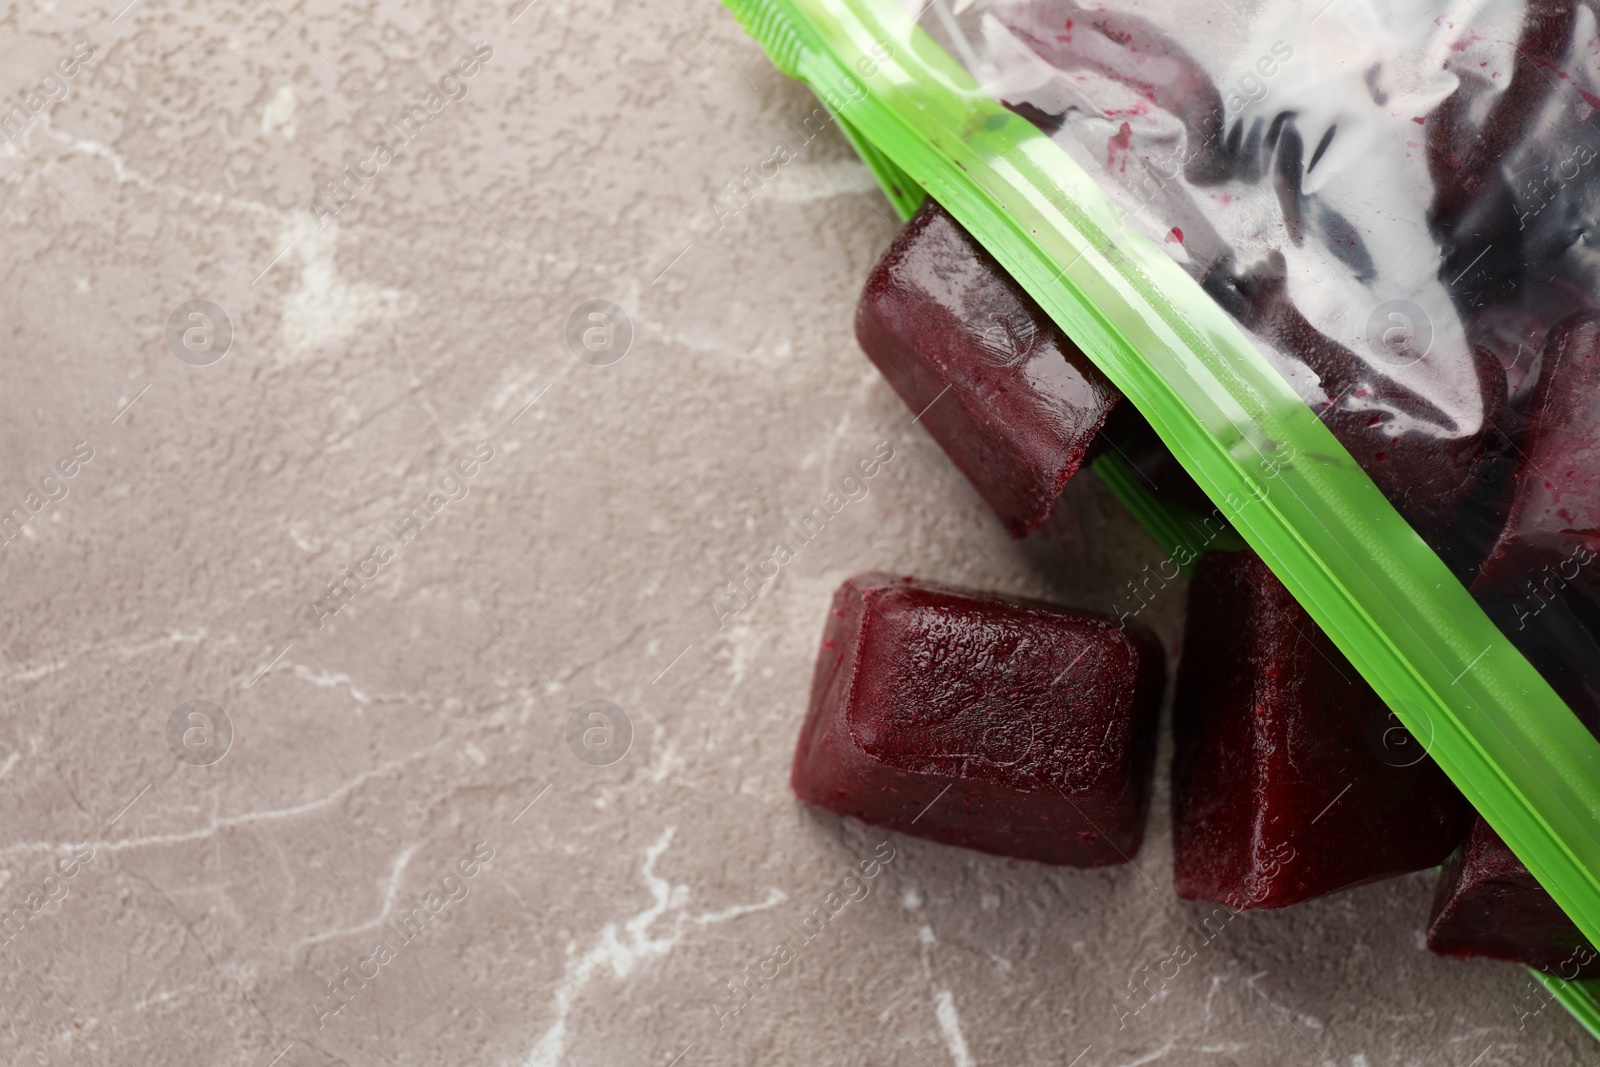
(389, 740)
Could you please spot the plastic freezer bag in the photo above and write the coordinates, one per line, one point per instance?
(1339, 256)
(1388, 199)
(1393, 202)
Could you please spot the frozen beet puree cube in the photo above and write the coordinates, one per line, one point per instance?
(1006, 726)
(1290, 778)
(1552, 536)
(1487, 904)
(1011, 401)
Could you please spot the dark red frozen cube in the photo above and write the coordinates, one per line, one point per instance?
(1487, 904)
(1009, 398)
(1551, 538)
(1291, 779)
(1007, 726)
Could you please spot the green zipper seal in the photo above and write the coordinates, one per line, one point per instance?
(1280, 477)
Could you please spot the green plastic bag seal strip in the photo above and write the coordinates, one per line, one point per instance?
(1275, 471)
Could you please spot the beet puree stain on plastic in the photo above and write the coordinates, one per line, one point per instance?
(1007, 726)
(1282, 790)
(1012, 402)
